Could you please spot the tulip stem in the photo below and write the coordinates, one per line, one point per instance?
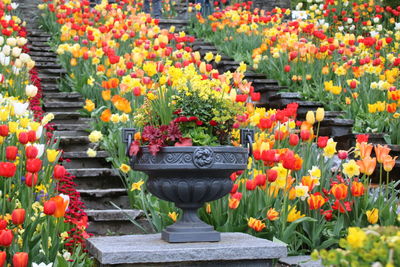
(4, 197)
(387, 185)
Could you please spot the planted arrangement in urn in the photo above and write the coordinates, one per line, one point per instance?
(188, 145)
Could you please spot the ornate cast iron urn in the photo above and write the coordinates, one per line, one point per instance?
(190, 177)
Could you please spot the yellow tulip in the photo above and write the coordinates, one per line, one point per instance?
(52, 154)
(320, 114)
(310, 117)
(372, 216)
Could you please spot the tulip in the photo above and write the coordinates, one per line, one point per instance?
(3, 224)
(260, 179)
(316, 201)
(287, 68)
(320, 114)
(59, 171)
(367, 165)
(343, 154)
(31, 152)
(256, 225)
(381, 152)
(23, 138)
(310, 117)
(389, 162)
(322, 141)
(20, 259)
(31, 179)
(49, 207)
(272, 214)
(3, 258)
(31, 90)
(251, 185)
(309, 181)
(272, 175)
(32, 136)
(18, 216)
(62, 202)
(11, 153)
(365, 150)
(6, 238)
(7, 169)
(293, 139)
(339, 191)
(372, 216)
(20, 108)
(3, 130)
(233, 203)
(305, 135)
(357, 189)
(33, 165)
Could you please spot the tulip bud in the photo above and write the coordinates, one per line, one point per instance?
(310, 117)
(59, 172)
(272, 175)
(31, 179)
(31, 90)
(18, 216)
(11, 153)
(342, 154)
(320, 114)
(31, 152)
(3, 258)
(20, 259)
(33, 165)
(3, 130)
(293, 139)
(6, 237)
(49, 207)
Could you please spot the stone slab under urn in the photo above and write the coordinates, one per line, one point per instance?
(234, 249)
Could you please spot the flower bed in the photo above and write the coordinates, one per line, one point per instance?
(37, 222)
(344, 55)
(298, 188)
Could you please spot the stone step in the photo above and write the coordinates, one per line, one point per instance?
(64, 105)
(38, 33)
(80, 159)
(101, 199)
(47, 66)
(116, 222)
(77, 126)
(93, 172)
(38, 44)
(90, 178)
(43, 58)
(298, 261)
(34, 39)
(43, 54)
(83, 155)
(62, 96)
(66, 140)
(61, 115)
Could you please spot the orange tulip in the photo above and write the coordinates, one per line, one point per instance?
(309, 181)
(316, 201)
(62, 202)
(233, 203)
(18, 216)
(367, 165)
(389, 162)
(365, 150)
(20, 259)
(3, 258)
(272, 214)
(357, 189)
(381, 152)
(339, 191)
(106, 94)
(106, 115)
(256, 225)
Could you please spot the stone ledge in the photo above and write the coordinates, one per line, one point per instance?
(150, 249)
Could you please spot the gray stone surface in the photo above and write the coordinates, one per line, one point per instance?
(270, 4)
(301, 261)
(146, 249)
(113, 215)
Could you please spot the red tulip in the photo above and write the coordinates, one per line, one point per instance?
(305, 135)
(3, 225)
(31, 136)
(18, 216)
(20, 259)
(343, 154)
(293, 139)
(59, 172)
(7, 169)
(31, 152)
(272, 175)
(260, 179)
(3, 130)
(251, 185)
(11, 153)
(49, 207)
(6, 238)
(322, 141)
(287, 68)
(265, 123)
(339, 191)
(31, 179)
(234, 188)
(33, 165)
(23, 138)
(3, 258)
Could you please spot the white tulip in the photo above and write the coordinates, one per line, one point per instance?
(31, 90)
(7, 17)
(1, 81)
(5, 61)
(396, 27)
(18, 63)
(376, 19)
(15, 70)
(24, 57)
(40, 148)
(21, 41)
(20, 108)
(16, 51)
(1, 40)
(14, 5)
(39, 132)
(6, 50)
(12, 41)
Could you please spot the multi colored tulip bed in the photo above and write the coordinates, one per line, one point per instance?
(341, 53)
(298, 188)
(41, 221)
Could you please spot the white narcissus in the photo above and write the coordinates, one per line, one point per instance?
(42, 264)
(31, 90)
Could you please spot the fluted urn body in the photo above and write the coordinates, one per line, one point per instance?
(190, 177)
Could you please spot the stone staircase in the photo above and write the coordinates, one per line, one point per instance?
(97, 183)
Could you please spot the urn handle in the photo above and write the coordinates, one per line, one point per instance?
(247, 138)
(127, 137)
